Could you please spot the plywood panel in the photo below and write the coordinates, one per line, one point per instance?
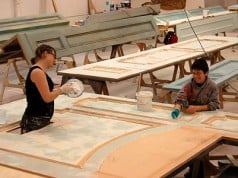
(210, 43)
(215, 23)
(73, 40)
(11, 26)
(226, 122)
(69, 138)
(161, 113)
(159, 153)
(132, 65)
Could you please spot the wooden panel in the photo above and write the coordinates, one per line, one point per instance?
(117, 107)
(132, 65)
(212, 10)
(167, 18)
(123, 14)
(10, 46)
(28, 166)
(206, 26)
(9, 27)
(70, 137)
(73, 40)
(160, 159)
(209, 42)
(10, 172)
(218, 20)
(227, 122)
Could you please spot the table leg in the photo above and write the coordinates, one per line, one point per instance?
(99, 87)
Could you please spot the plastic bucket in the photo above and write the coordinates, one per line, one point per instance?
(205, 13)
(144, 100)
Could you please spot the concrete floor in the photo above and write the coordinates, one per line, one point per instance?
(123, 89)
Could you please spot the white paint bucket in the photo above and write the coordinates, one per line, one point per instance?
(144, 100)
(3, 118)
(205, 13)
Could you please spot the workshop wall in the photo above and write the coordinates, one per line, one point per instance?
(76, 10)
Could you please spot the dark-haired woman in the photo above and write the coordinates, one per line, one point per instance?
(40, 92)
(199, 94)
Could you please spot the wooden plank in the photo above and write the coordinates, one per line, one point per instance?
(9, 45)
(129, 66)
(7, 171)
(233, 7)
(227, 122)
(180, 15)
(120, 107)
(161, 159)
(123, 14)
(73, 40)
(150, 60)
(218, 20)
(212, 10)
(29, 166)
(9, 27)
(54, 21)
(113, 106)
(206, 26)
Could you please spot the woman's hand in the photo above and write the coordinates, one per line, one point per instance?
(191, 109)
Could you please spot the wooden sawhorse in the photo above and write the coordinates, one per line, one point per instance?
(6, 82)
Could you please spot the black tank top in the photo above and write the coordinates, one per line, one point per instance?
(35, 104)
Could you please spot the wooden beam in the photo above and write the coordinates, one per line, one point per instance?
(54, 5)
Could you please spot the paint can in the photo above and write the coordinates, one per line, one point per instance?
(77, 88)
(205, 13)
(144, 100)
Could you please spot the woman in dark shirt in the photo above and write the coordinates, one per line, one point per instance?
(199, 94)
(40, 92)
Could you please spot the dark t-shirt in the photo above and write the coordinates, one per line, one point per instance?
(35, 104)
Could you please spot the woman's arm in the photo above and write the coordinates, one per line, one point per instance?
(195, 108)
(39, 78)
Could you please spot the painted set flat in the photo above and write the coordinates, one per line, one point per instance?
(102, 136)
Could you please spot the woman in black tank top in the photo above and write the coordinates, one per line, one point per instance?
(40, 92)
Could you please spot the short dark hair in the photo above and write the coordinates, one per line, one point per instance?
(200, 64)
